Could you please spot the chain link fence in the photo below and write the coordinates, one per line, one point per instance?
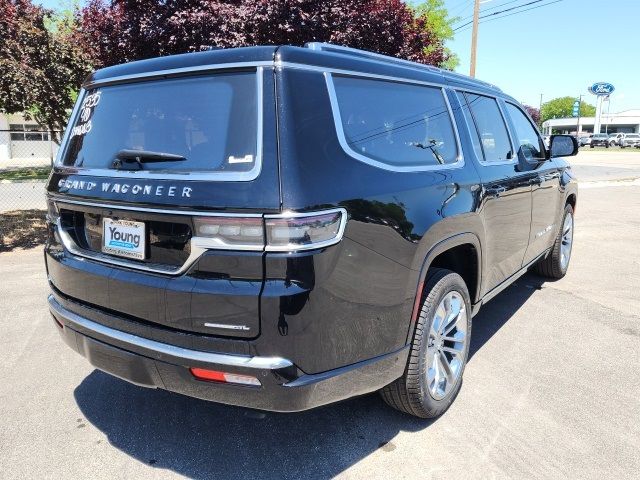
(26, 157)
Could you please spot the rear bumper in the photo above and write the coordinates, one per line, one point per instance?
(284, 387)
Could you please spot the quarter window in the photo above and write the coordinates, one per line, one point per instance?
(531, 146)
(473, 131)
(491, 128)
(397, 124)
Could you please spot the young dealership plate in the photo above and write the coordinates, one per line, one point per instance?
(124, 238)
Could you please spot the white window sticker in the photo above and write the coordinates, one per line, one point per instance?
(86, 111)
(245, 159)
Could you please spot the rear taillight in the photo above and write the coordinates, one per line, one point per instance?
(304, 231)
(283, 232)
(224, 377)
(243, 233)
(52, 211)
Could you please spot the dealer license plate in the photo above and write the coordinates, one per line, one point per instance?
(123, 238)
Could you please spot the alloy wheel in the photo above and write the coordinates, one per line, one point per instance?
(567, 241)
(446, 347)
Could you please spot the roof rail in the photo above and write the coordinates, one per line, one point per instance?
(464, 78)
(329, 47)
(356, 52)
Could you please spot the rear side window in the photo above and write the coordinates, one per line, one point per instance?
(473, 131)
(493, 132)
(210, 121)
(531, 145)
(396, 124)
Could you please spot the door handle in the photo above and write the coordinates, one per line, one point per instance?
(495, 191)
(535, 181)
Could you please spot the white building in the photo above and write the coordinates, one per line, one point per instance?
(24, 142)
(626, 122)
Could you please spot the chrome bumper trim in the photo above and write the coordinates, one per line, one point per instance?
(154, 349)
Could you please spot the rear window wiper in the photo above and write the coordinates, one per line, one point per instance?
(139, 157)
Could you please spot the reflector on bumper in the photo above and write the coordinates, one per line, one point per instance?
(223, 377)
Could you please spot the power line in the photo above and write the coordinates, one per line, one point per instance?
(459, 7)
(500, 5)
(510, 14)
(508, 10)
(499, 12)
(488, 9)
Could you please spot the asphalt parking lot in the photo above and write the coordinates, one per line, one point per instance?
(552, 388)
(605, 165)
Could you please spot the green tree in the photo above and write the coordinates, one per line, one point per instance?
(116, 31)
(563, 107)
(533, 112)
(40, 65)
(437, 20)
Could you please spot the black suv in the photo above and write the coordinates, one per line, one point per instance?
(600, 140)
(285, 227)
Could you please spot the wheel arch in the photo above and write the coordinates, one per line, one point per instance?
(572, 199)
(451, 254)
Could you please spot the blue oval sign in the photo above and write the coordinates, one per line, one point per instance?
(601, 88)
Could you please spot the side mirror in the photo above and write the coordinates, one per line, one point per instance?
(562, 146)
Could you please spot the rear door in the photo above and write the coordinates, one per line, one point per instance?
(506, 193)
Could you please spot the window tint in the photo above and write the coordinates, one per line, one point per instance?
(531, 145)
(397, 124)
(210, 120)
(473, 131)
(491, 127)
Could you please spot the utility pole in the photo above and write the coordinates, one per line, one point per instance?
(474, 38)
(578, 125)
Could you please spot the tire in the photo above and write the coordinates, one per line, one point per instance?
(592, 146)
(556, 263)
(414, 393)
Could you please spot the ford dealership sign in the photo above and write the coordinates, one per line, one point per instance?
(601, 88)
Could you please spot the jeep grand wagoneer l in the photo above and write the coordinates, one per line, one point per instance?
(284, 227)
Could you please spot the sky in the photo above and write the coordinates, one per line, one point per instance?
(556, 50)
(52, 4)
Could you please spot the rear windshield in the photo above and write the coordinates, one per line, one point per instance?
(180, 125)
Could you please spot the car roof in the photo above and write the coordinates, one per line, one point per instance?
(314, 55)
(185, 61)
